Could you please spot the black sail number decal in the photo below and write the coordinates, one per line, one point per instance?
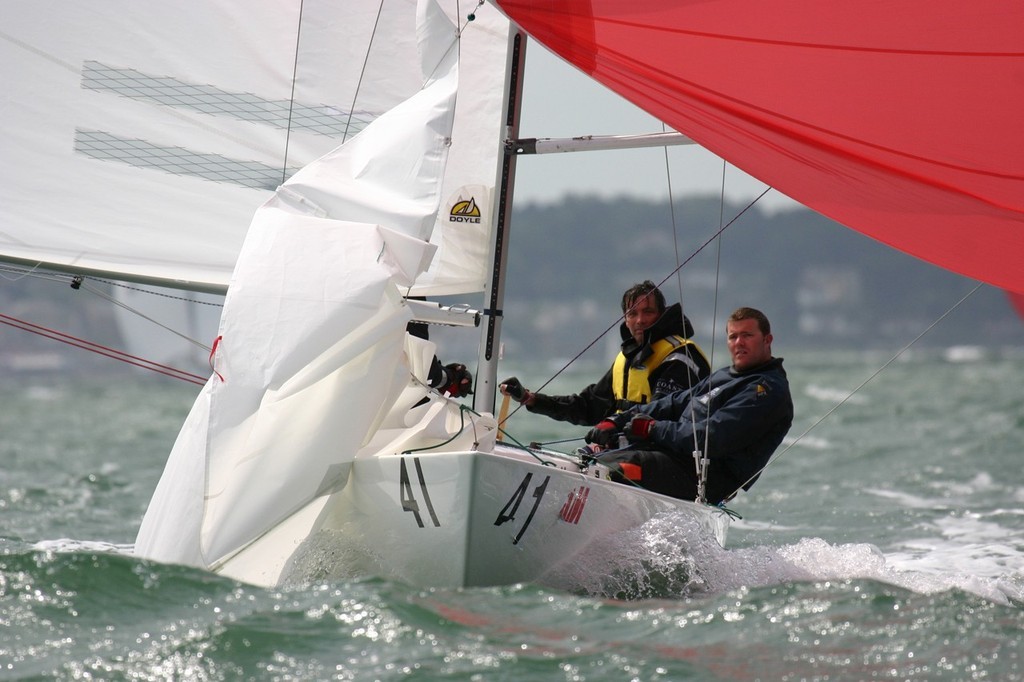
(508, 512)
(408, 497)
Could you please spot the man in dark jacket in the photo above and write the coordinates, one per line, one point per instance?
(657, 358)
(736, 418)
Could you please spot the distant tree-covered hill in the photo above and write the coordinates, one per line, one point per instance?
(820, 283)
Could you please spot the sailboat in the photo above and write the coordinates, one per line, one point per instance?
(322, 440)
(274, 171)
(342, 186)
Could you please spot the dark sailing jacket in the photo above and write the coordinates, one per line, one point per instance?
(743, 415)
(684, 367)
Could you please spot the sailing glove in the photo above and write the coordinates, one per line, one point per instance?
(638, 428)
(605, 434)
(514, 389)
(458, 380)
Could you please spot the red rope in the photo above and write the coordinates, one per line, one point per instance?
(102, 350)
(213, 352)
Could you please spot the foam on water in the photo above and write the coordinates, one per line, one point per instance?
(925, 576)
(70, 545)
(964, 544)
(669, 557)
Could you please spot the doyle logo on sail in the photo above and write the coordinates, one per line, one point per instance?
(465, 211)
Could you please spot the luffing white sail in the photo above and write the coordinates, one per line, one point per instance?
(313, 357)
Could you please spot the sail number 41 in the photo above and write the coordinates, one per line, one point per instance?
(408, 498)
(508, 512)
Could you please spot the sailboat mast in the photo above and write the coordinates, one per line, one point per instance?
(494, 288)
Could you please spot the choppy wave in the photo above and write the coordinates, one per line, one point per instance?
(805, 611)
(888, 543)
(666, 558)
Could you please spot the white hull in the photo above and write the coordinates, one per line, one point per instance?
(454, 519)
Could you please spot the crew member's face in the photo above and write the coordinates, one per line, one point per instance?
(747, 345)
(641, 315)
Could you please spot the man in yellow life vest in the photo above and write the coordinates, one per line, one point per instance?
(657, 358)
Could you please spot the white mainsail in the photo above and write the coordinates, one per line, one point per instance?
(313, 357)
(140, 136)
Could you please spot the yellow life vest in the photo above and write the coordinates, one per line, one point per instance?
(631, 384)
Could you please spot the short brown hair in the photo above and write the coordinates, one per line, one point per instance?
(752, 314)
(638, 291)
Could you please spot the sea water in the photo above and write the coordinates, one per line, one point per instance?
(885, 542)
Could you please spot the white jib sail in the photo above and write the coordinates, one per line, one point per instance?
(313, 351)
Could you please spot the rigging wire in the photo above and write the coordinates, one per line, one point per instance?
(158, 294)
(456, 42)
(139, 313)
(291, 97)
(675, 243)
(715, 236)
(672, 218)
(362, 72)
(619, 319)
(22, 273)
(77, 282)
(101, 349)
(701, 457)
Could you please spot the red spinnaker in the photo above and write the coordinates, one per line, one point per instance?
(1017, 301)
(901, 119)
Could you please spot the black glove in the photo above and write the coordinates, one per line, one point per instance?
(458, 380)
(515, 389)
(605, 434)
(638, 428)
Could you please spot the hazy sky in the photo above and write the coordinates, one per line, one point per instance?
(559, 101)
